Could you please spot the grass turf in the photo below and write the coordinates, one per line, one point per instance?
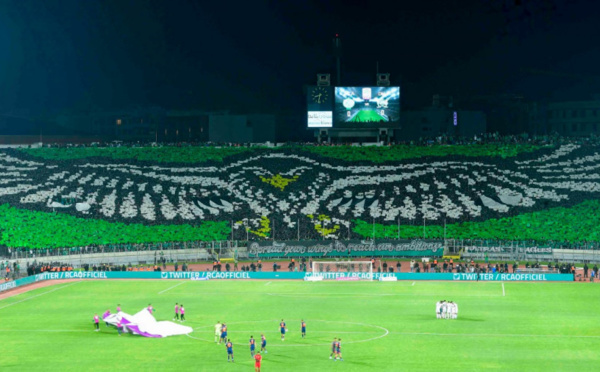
(536, 326)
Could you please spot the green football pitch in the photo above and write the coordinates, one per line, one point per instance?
(383, 326)
(367, 116)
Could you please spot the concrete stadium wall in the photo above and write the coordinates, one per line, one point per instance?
(575, 255)
(123, 258)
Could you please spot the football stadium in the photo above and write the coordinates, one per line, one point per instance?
(358, 243)
(177, 195)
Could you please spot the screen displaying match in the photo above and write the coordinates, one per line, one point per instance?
(367, 106)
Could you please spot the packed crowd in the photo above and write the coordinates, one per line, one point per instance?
(497, 138)
(300, 193)
(483, 138)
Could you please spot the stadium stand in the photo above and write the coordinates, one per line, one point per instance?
(86, 199)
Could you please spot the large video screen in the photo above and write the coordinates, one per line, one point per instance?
(359, 106)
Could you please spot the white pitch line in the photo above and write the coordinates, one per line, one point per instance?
(503, 293)
(276, 344)
(488, 335)
(176, 285)
(45, 330)
(276, 331)
(41, 294)
(412, 285)
(268, 283)
(365, 295)
(340, 294)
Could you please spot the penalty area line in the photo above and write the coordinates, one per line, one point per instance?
(38, 295)
(168, 289)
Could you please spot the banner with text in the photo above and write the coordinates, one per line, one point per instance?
(507, 250)
(268, 275)
(19, 282)
(513, 277)
(347, 248)
(198, 275)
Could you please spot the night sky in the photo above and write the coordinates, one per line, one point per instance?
(255, 56)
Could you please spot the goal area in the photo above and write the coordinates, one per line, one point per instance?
(340, 270)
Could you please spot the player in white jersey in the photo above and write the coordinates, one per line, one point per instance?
(218, 331)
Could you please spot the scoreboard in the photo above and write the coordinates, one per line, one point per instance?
(320, 107)
(353, 107)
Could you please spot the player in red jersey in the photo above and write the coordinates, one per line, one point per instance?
(257, 360)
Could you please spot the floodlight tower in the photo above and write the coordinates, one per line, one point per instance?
(337, 53)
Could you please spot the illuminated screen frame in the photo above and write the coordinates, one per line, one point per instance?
(366, 107)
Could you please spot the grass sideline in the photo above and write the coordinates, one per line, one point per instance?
(535, 326)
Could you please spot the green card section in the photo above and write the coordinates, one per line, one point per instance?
(403, 152)
(556, 224)
(189, 155)
(42, 230)
(152, 154)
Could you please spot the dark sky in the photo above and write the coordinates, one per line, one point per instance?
(256, 55)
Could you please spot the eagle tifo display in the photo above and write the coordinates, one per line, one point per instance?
(367, 105)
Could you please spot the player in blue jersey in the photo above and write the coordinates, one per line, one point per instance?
(223, 332)
(229, 347)
(333, 348)
(303, 328)
(282, 330)
(252, 346)
(338, 349)
(263, 344)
